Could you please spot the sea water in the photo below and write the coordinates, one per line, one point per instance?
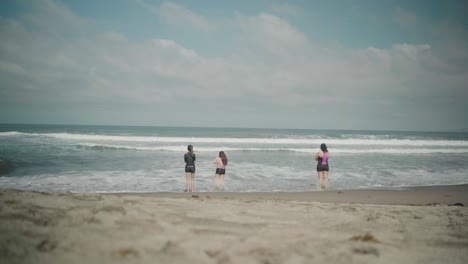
(150, 159)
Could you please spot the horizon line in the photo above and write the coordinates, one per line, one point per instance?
(267, 128)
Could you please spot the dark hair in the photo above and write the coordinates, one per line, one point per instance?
(223, 157)
(323, 147)
(190, 148)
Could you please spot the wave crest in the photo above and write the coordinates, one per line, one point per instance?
(253, 141)
(182, 148)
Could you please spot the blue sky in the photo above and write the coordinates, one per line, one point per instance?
(390, 65)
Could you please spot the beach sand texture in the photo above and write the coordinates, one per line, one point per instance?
(235, 227)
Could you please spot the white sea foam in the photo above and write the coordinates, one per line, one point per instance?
(182, 148)
(263, 141)
(242, 177)
(11, 133)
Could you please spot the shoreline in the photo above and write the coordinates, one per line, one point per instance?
(418, 195)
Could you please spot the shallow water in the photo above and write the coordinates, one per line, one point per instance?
(146, 159)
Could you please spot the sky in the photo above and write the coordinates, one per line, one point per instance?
(360, 65)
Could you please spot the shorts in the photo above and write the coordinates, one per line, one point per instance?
(321, 167)
(220, 171)
(190, 169)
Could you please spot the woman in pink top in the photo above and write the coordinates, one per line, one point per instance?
(221, 162)
(322, 166)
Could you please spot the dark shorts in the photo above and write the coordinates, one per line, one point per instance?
(321, 167)
(220, 171)
(190, 169)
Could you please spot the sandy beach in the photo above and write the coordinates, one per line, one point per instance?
(414, 225)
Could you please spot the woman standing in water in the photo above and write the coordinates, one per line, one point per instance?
(221, 162)
(322, 166)
(189, 159)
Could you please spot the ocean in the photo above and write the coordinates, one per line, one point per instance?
(150, 159)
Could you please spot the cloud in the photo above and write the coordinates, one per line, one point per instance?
(275, 71)
(54, 15)
(274, 36)
(179, 16)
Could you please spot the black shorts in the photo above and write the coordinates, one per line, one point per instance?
(190, 169)
(220, 171)
(321, 167)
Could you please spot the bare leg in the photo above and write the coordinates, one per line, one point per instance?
(192, 176)
(325, 176)
(216, 182)
(319, 186)
(187, 181)
(221, 181)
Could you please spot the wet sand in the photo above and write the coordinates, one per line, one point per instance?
(424, 195)
(415, 225)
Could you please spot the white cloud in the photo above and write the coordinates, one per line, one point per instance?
(294, 71)
(283, 68)
(173, 46)
(179, 16)
(274, 35)
(53, 15)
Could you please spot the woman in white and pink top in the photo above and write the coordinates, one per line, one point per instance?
(221, 162)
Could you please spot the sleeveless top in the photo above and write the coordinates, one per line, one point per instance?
(323, 160)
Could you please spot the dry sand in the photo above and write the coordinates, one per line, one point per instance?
(361, 226)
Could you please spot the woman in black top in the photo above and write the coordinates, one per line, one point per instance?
(189, 159)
